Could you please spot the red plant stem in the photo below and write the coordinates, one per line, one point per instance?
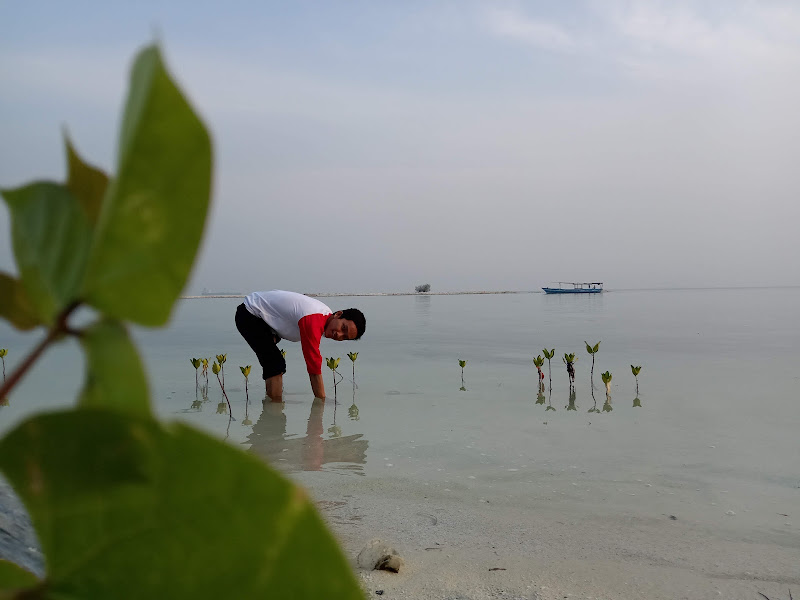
(53, 334)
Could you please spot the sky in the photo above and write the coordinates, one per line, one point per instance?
(371, 146)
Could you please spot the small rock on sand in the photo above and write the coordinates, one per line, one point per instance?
(379, 555)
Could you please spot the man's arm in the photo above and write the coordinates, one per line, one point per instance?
(317, 385)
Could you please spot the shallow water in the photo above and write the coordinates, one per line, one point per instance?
(715, 438)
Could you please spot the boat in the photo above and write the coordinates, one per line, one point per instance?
(570, 287)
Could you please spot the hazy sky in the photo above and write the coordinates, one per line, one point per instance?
(372, 146)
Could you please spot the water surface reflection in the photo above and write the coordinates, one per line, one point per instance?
(311, 452)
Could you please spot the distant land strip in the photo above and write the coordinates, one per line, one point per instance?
(336, 295)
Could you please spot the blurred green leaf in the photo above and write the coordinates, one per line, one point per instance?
(12, 577)
(156, 206)
(87, 183)
(15, 306)
(51, 237)
(171, 511)
(115, 377)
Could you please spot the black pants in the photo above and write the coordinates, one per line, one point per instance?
(263, 340)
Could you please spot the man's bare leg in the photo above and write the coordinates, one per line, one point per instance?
(275, 388)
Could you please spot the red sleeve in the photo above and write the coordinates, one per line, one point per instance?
(311, 329)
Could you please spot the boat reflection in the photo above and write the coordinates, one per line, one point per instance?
(311, 452)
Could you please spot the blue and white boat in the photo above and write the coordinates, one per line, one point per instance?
(570, 287)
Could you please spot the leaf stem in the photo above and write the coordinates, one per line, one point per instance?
(53, 334)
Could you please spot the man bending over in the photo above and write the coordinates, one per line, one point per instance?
(264, 318)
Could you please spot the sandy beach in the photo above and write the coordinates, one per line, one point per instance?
(459, 546)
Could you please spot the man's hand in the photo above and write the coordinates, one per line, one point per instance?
(317, 386)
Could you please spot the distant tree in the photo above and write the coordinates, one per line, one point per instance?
(425, 287)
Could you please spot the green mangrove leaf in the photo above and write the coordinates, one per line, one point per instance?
(596, 348)
(178, 513)
(215, 368)
(155, 208)
(51, 237)
(12, 577)
(115, 376)
(87, 183)
(15, 305)
(353, 356)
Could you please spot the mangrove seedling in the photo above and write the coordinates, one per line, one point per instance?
(607, 380)
(205, 369)
(462, 364)
(332, 364)
(196, 364)
(216, 368)
(637, 402)
(3, 352)
(246, 372)
(221, 358)
(569, 360)
(592, 350)
(283, 353)
(635, 371)
(539, 363)
(353, 356)
(548, 355)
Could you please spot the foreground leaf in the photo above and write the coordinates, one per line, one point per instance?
(172, 512)
(51, 236)
(87, 183)
(115, 377)
(154, 212)
(15, 305)
(13, 577)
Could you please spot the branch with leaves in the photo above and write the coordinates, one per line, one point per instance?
(109, 460)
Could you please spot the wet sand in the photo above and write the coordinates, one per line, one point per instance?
(457, 545)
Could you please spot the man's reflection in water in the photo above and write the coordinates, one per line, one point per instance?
(270, 441)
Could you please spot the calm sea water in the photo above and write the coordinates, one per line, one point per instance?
(717, 433)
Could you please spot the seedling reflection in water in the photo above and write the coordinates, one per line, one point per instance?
(571, 405)
(592, 350)
(540, 399)
(635, 371)
(462, 364)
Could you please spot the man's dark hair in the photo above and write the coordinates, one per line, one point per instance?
(357, 317)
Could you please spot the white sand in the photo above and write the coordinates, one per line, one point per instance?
(450, 541)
